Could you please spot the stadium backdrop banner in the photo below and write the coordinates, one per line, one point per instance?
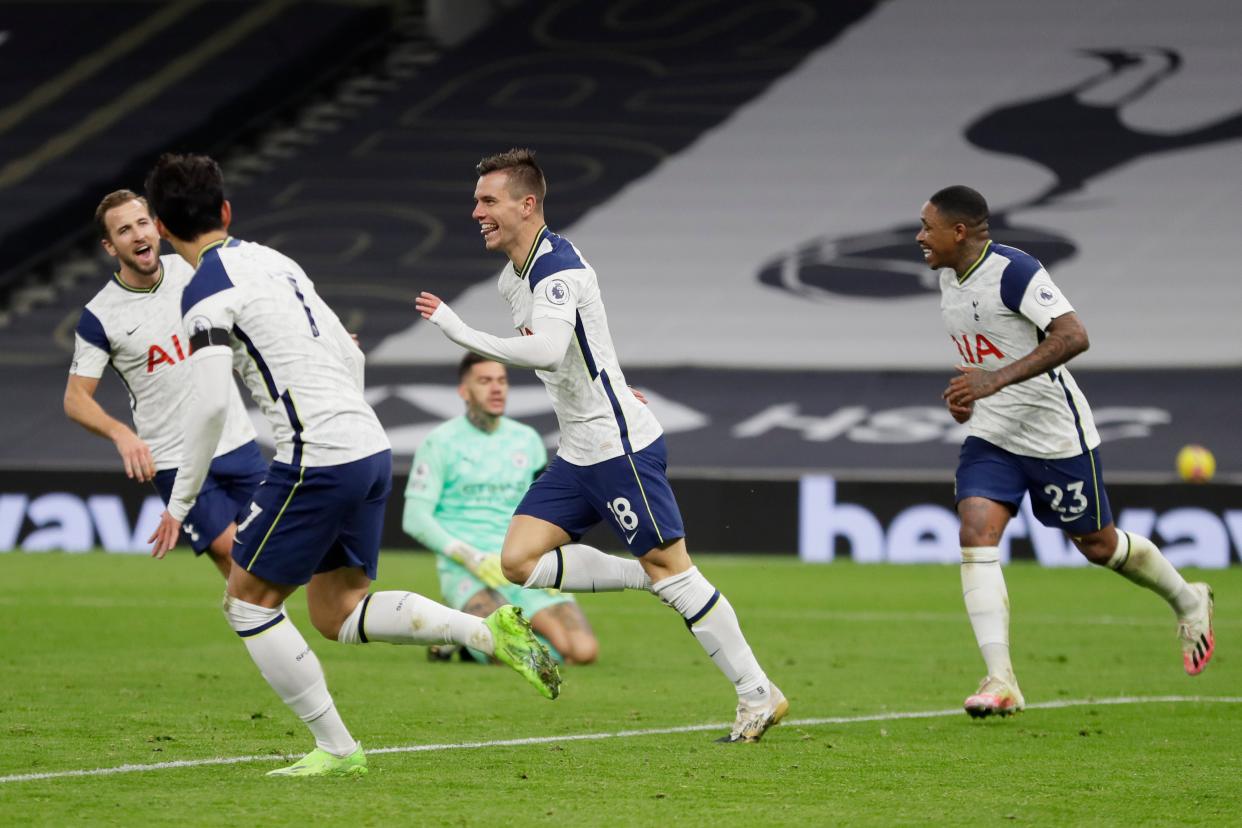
(819, 517)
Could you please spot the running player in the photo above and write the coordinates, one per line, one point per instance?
(611, 463)
(134, 325)
(1031, 430)
(317, 517)
(468, 476)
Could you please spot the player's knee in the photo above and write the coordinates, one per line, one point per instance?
(516, 568)
(1099, 546)
(1094, 549)
(983, 521)
(583, 649)
(328, 629)
(328, 623)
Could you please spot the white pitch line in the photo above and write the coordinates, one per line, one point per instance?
(620, 734)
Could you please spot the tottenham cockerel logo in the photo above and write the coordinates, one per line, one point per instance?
(1091, 139)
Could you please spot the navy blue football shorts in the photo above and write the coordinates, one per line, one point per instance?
(630, 493)
(305, 520)
(1066, 494)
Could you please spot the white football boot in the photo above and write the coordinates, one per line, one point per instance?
(1195, 633)
(995, 697)
(754, 720)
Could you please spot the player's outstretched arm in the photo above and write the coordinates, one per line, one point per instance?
(1066, 338)
(82, 407)
(544, 349)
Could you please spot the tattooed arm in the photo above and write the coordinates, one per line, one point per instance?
(1066, 339)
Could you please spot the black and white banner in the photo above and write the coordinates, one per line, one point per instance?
(784, 237)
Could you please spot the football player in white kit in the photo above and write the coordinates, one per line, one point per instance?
(317, 517)
(611, 462)
(134, 325)
(1031, 431)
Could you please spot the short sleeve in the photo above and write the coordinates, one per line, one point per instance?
(91, 349)
(1043, 301)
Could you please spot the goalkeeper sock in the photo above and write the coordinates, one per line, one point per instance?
(292, 669)
(1139, 560)
(576, 567)
(409, 618)
(712, 621)
(987, 604)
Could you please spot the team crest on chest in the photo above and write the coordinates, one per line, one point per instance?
(520, 460)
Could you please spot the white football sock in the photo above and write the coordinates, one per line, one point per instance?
(576, 567)
(711, 619)
(1139, 560)
(987, 604)
(292, 669)
(409, 618)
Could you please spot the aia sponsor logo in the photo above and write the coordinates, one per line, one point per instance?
(975, 353)
(157, 356)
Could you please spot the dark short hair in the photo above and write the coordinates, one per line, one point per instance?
(525, 175)
(470, 360)
(112, 200)
(960, 203)
(186, 192)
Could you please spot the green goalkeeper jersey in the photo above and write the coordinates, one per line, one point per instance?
(469, 482)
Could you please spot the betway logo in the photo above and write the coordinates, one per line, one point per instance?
(928, 533)
(66, 522)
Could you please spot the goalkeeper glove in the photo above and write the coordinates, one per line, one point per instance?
(483, 566)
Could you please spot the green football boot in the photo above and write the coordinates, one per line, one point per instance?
(516, 646)
(321, 763)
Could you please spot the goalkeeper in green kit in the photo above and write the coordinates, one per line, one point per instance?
(468, 477)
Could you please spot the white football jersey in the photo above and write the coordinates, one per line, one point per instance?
(138, 332)
(598, 415)
(996, 314)
(300, 364)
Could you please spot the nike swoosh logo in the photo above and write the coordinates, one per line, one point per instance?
(131, 330)
(1070, 518)
(630, 538)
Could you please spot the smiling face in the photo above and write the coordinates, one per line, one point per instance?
(503, 216)
(940, 238)
(132, 238)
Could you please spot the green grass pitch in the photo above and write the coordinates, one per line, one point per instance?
(116, 660)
